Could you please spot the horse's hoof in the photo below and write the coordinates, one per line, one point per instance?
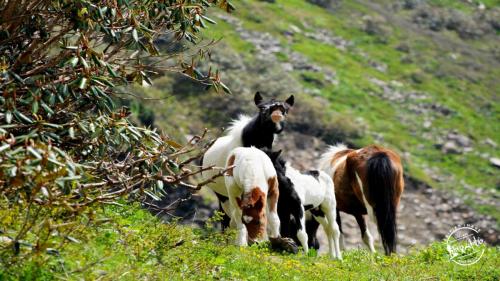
(284, 244)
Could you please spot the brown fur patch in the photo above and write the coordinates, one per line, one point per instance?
(230, 162)
(273, 193)
(254, 205)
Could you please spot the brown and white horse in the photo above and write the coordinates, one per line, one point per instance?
(367, 181)
(252, 190)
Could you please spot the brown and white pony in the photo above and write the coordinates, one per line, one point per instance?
(367, 180)
(252, 190)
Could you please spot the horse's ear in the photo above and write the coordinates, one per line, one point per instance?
(290, 100)
(259, 204)
(257, 98)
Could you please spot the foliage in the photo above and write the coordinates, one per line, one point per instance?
(64, 145)
(138, 246)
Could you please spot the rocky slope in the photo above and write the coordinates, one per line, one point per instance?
(364, 72)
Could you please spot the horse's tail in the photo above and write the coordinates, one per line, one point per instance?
(325, 162)
(381, 181)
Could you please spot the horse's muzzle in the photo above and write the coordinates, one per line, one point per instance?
(277, 116)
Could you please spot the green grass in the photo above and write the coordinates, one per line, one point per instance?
(137, 246)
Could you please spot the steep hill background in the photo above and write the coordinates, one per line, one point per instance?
(418, 76)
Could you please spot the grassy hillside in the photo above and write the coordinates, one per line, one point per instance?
(431, 95)
(138, 246)
(362, 72)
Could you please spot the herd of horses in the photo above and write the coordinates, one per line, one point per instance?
(264, 198)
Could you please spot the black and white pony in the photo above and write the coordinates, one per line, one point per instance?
(258, 131)
(312, 191)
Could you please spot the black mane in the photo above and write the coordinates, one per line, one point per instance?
(289, 204)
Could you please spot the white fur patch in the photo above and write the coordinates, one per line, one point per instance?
(369, 208)
(337, 164)
(326, 158)
(237, 125)
(247, 219)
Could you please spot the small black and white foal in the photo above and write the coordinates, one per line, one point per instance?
(312, 191)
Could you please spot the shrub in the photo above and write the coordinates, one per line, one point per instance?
(64, 144)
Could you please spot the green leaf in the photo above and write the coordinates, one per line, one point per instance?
(22, 117)
(83, 83)
(52, 125)
(8, 116)
(4, 147)
(94, 91)
(54, 161)
(103, 81)
(34, 107)
(173, 144)
(111, 71)
(52, 99)
(73, 61)
(135, 35)
(159, 184)
(33, 152)
(150, 194)
(64, 90)
(47, 108)
(225, 88)
(125, 137)
(17, 77)
(209, 20)
(84, 63)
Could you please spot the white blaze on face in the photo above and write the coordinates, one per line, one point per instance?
(247, 219)
(277, 116)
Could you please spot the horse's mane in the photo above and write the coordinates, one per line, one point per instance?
(326, 158)
(237, 126)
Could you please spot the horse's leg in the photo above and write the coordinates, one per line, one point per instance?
(341, 239)
(284, 216)
(242, 236)
(365, 232)
(233, 192)
(321, 219)
(225, 210)
(332, 231)
(227, 219)
(311, 229)
(272, 206)
(301, 232)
